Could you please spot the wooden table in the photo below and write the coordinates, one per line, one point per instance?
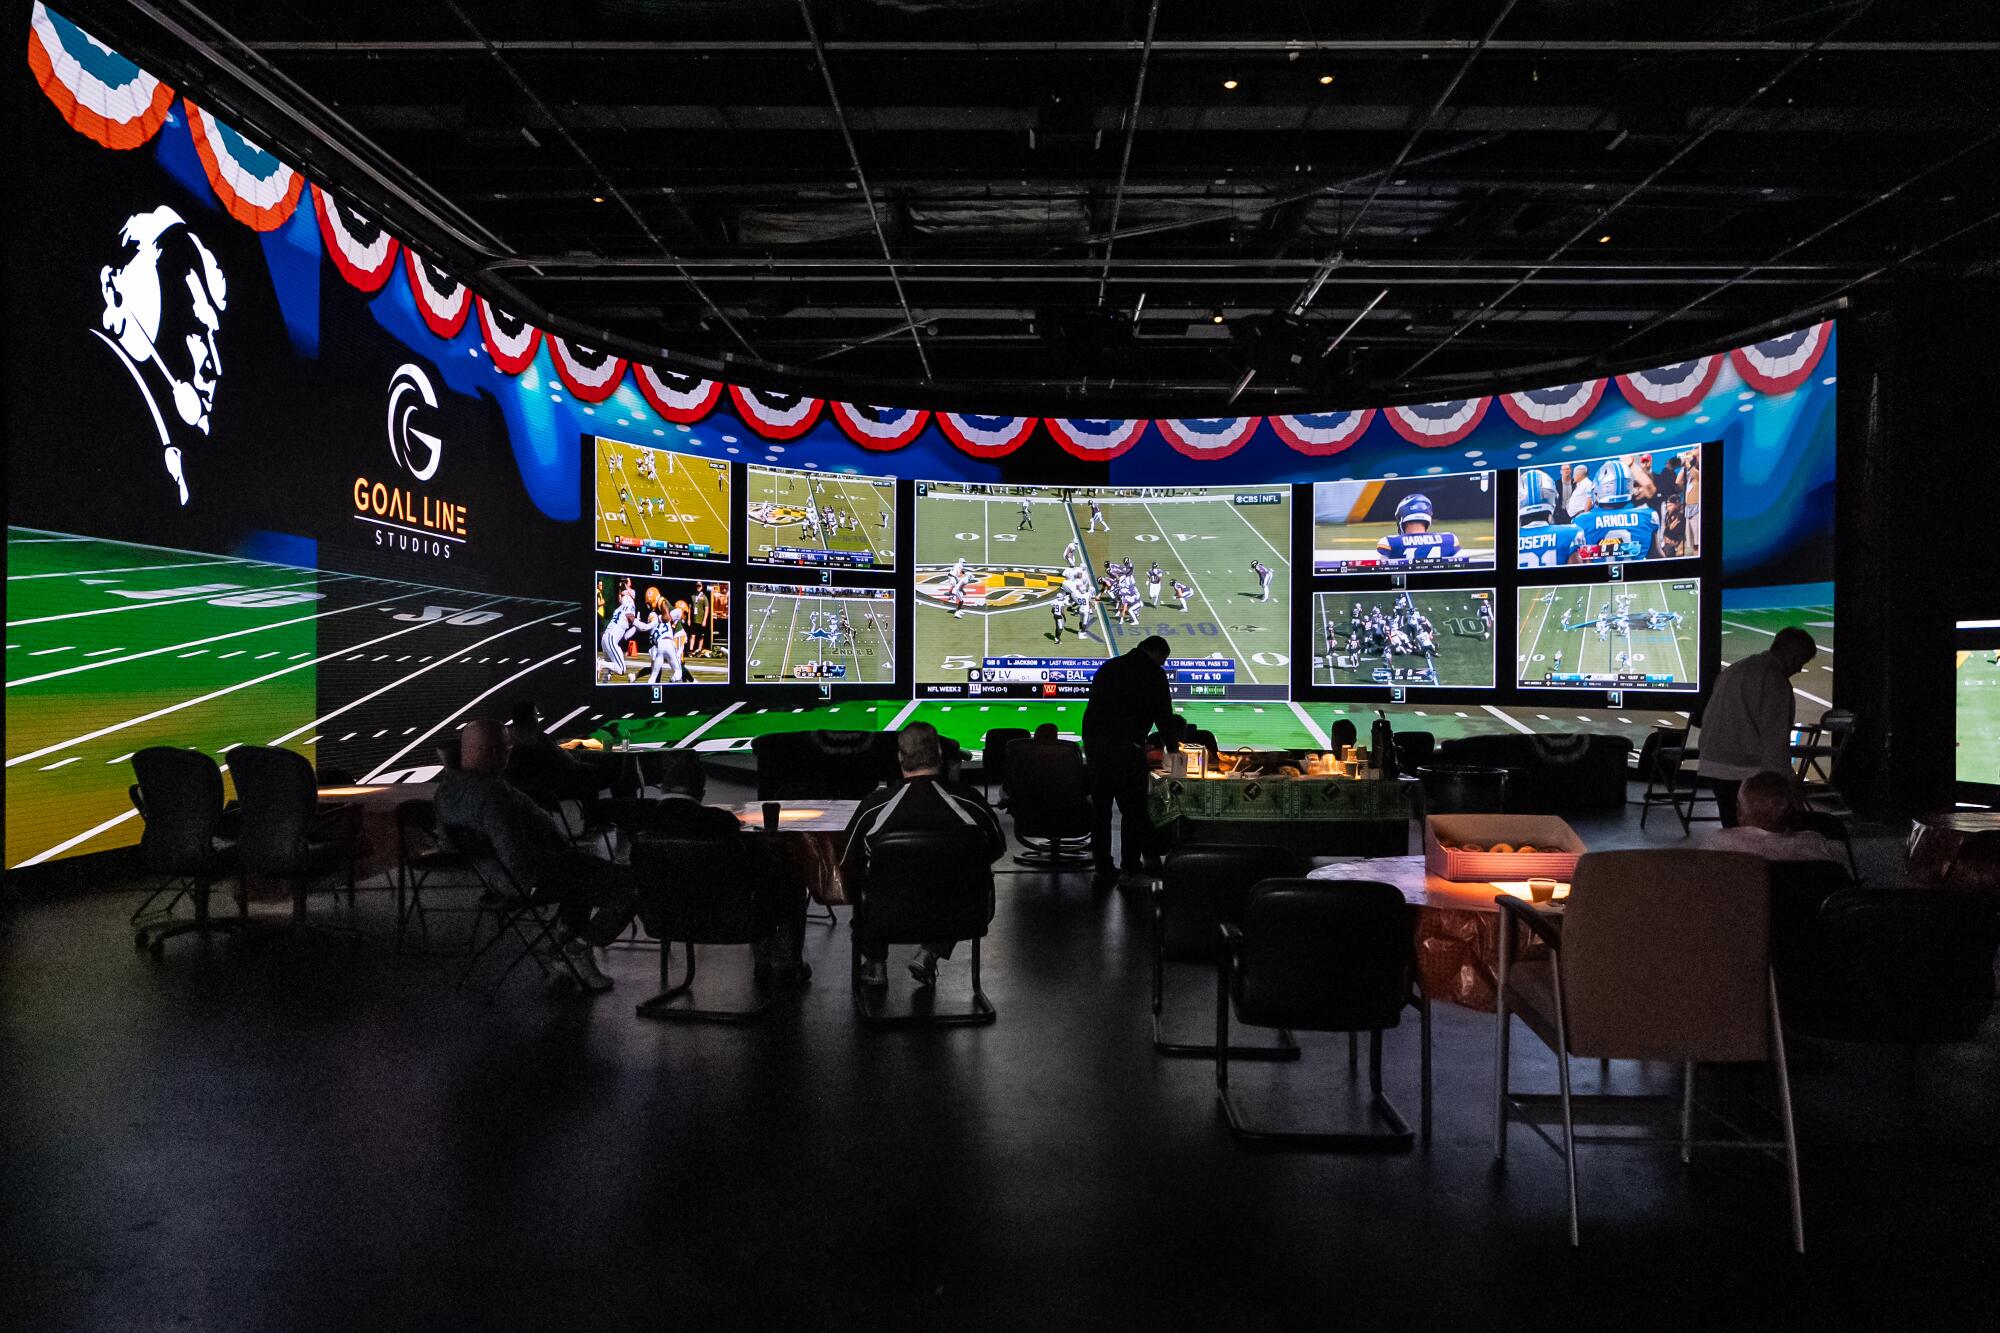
(807, 843)
(377, 848)
(1458, 925)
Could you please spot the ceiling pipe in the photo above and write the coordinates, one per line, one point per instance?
(603, 181)
(1174, 46)
(867, 194)
(1716, 123)
(1125, 158)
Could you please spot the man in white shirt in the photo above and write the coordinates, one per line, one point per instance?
(1746, 727)
(1581, 492)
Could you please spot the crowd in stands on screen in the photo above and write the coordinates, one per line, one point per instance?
(1615, 510)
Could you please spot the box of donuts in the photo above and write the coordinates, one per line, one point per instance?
(1500, 847)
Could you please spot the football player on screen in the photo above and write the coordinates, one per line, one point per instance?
(1181, 592)
(1544, 542)
(1263, 573)
(1614, 525)
(1413, 539)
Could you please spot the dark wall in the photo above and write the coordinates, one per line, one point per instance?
(1919, 469)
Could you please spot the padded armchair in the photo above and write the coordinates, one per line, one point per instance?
(1660, 955)
(697, 891)
(1050, 802)
(1324, 956)
(287, 836)
(926, 885)
(993, 759)
(1201, 888)
(1414, 749)
(179, 794)
(1550, 774)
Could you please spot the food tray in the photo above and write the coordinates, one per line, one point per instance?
(1538, 831)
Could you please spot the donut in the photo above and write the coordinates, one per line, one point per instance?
(1505, 848)
(1526, 849)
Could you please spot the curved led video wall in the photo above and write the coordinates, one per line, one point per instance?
(277, 476)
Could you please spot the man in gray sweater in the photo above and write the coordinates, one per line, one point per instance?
(1746, 727)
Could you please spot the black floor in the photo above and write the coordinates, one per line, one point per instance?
(317, 1136)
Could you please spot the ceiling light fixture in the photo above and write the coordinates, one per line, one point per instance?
(1605, 239)
(1215, 318)
(1325, 79)
(1230, 84)
(597, 199)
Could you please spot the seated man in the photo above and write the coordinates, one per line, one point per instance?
(922, 800)
(1766, 807)
(596, 901)
(780, 908)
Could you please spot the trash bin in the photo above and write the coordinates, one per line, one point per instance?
(1464, 789)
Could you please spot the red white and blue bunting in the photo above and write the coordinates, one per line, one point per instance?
(364, 253)
(99, 92)
(879, 428)
(1100, 439)
(255, 188)
(510, 340)
(442, 300)
(1207, 437)
(985, 437)
(775, 416)
(1668, 391)
(1434, 425)
(1553, 410)
(586, 372)
(1783, 363)
(1321, 434)
(683, 399)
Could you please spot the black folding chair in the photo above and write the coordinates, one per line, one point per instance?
(925, 885)
(519, 912)
(1200, 888)
(697, 891)
(421, 853)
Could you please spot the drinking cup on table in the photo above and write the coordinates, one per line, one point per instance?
(771, 809)
(1541, 890)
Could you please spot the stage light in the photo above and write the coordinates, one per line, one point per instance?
(1325, 79)
(1215, 318)
(1604, 239)
(1230, 84)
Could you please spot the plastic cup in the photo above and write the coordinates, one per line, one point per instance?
(1541, 890)
(771, 809)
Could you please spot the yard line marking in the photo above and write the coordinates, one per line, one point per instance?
(237, 653)
(196, 653)
(202, 699)
(122, 758)
(1768, 633)
(43, 541)
(217, 638)
(896, 722)
(1220, 619)
(1512, 721)
(470, 703)
(60, 763)
(1824, 703)
(201, 596)
(68, 843)
(44, 652)
(556, 725)
(702, 730)
(1313, 729)
(122, 569)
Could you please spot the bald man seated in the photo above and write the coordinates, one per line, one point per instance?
(597, 902)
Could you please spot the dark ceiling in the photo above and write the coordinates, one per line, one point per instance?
(1393, 199)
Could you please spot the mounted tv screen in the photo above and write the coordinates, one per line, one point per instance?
(1615, 636)
(821, 519)
(1978, 677)
(661, 503)
(813, 634)
(1023, 591)
(1431, 637)
(654, 630)
(1397, 524)
(1615, 509)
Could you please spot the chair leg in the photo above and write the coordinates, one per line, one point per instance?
(1222, 1026)
(1569, 1123)
(1424, 1027)
(1687, 1110)
(1502, 1032)
(661, 1006)
(1785, 1113)
(1353, 1051)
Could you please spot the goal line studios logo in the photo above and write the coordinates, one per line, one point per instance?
(403, 517)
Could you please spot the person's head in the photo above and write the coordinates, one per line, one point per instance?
(1343, 732)
(1793, 648)
(1046, 732)
(1579, 474)
(483, 747)
(526, 716)
(1414, 512)
(1537, 497)
(1155, 647)
(1767, 801)
(163, 303)
(918, 750)
(1613, 486)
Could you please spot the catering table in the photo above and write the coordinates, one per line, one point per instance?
(376, 849)
(1957, 849)
(1458, 925)
(807, 843)
(1321, 816)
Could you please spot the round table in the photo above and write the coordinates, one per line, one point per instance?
(1457, 926)
(1958, 849)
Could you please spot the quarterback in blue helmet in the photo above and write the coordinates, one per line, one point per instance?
(1544, 542)
(1413, 539)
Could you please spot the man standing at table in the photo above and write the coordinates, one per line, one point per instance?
(1128, 698)
(1746, 726)
(923, 800)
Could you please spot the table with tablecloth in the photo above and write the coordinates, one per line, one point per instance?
(807, 843)
(1317, 815)
(1957, 849)
(377, 846)
(1457, 925)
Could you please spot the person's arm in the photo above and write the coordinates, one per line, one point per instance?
(524, 836)
(853, 845)
(1774, 714)
(1160, 706)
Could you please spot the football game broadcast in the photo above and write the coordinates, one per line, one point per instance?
(1619, 636)
(1979, 715)
(1615, 510)
(1404, 523)
(661, 631)
(658, 502)
(822, 519)
(1022, 591)
(813, 634)
(1438, 637)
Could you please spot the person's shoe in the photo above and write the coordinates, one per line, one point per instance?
(874, 974)
(583, 960)
(923, 966)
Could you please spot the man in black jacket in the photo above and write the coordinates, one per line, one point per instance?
(1128, 698)
(922, 800)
